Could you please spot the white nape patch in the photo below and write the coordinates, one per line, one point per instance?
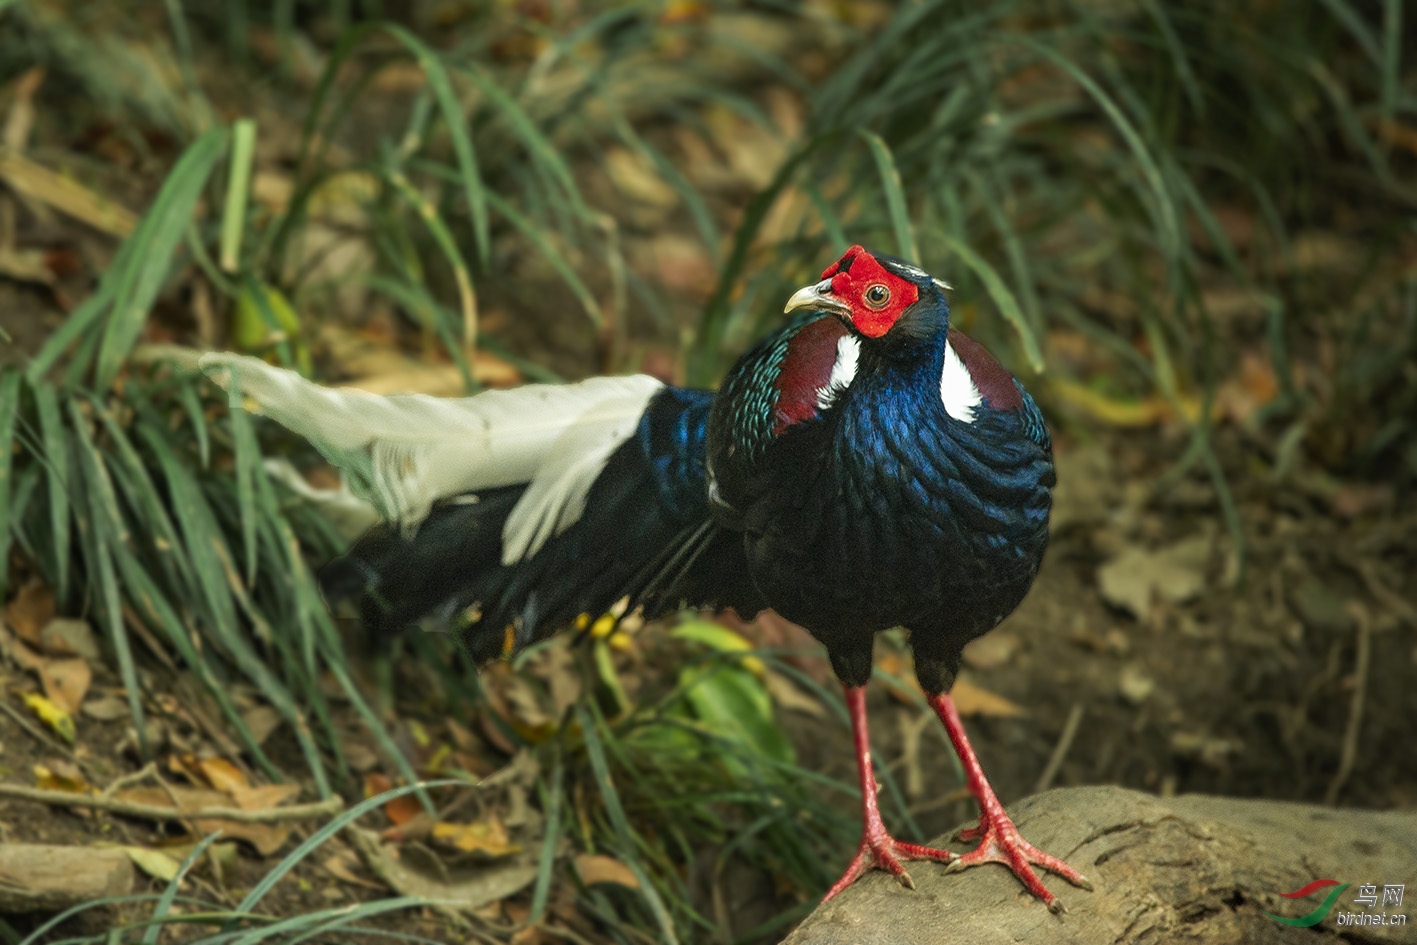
(848, 351)
(942, 285)
(405, 452)
(957, 389)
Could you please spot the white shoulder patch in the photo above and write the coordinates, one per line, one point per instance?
(957, 390)
(848, 351)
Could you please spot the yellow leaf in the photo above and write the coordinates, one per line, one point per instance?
(73, 783)
(50, 714)
(486, 836)
(155, 863)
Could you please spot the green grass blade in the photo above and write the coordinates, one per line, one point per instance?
(553, 796)
(169, 894)
(238, 183)
(895, 196)
(9, 412)
(187, 396)
(707, 350)
(537, 144)
(1163, 208)
(162, 228)
(108, 537)
(326, 920)
(81, 320)
(467, 297)
(552, 255)
(56, 460)
(595, 751)
(248, 463)
(451, 111)
(1000, 294)
(313, 842)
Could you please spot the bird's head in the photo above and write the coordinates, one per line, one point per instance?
(874, 294)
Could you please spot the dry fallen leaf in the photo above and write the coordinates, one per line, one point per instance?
(1175, 573)
(66, 682)
(342, 865)
(593, 869)
(105, 709)
(264, 796)
(971, 699)
(63, 636)
(31, 609)
(265, 839)
(222, 775)
(262, 721)
(991, 650)
(401, 809)
(467, 889)
(488, 837)
(58, 778)
(787, 694)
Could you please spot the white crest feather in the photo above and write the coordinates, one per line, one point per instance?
(407, 451)
(957, 388)
(848, 351)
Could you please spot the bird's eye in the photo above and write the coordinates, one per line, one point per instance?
(877, 296)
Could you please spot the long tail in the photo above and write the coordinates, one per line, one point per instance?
(512, 513)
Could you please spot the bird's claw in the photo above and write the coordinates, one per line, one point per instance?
(965, 834)
(1000, 843)
(885, 853)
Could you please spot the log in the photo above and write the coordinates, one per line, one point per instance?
(1194, 869)
(36, 877)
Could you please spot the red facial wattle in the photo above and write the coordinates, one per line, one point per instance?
(855, 277)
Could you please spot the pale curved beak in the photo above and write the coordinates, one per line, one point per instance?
(817, 296)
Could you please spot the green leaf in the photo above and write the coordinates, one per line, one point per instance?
(733, 704)
(238, 183)
(144, 270)
(56, 463)
(895, 196)
(9, 410)
(452, 113)
(610, 797)
(108, 537)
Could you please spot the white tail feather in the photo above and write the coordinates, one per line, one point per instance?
(407, 451)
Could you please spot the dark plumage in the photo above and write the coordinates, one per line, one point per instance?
(863, 467)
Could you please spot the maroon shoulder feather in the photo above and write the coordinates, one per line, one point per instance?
(806, 370)
(996, 385)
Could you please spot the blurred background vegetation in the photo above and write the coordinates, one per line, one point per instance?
(1198, 218)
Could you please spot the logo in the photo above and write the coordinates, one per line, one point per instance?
(1319, 914)
(1367, 898)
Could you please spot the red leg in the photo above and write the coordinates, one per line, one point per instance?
(1000, 840)
(878, 850)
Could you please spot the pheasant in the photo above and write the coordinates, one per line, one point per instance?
(865, 466)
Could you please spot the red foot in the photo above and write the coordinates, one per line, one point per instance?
(1001, 843)
(878, 850)
(999, 838)
(885, 853)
